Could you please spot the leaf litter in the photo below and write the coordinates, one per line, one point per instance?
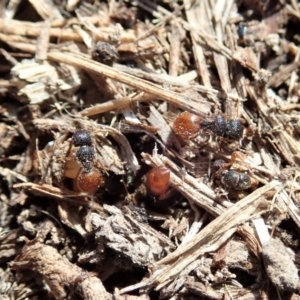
(226, 227)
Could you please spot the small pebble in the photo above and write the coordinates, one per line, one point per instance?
(279, 266)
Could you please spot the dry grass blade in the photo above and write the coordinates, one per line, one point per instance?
(85, 63)
(30, 29)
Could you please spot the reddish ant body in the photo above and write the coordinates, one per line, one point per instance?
(187, 126)
(158, 183)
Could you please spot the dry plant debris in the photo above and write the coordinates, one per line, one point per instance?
(149, 150)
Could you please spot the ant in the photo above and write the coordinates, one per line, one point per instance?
(187, 126)
(86, 178)
(236, 180)
(233, 179)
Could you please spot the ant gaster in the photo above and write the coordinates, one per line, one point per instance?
(187, 125)
(158, 183)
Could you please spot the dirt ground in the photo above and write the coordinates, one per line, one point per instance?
(149, 149)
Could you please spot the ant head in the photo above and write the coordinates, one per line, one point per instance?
(234, 129)
(231, 178)
(82, 138)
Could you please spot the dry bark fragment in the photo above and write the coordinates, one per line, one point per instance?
(104, 53)
(117, 296)
(60, 275)
(129, 237)
(202, 290)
